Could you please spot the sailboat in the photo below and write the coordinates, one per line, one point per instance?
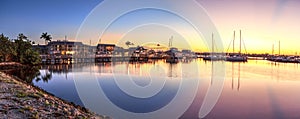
(172, 54)
(213, 56)
(282, 58)
(237, 57)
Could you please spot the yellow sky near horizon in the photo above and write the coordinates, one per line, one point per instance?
(263, 23)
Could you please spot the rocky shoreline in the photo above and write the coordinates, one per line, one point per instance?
(21, 100)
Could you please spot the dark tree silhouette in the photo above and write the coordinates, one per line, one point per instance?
(47, 37)
(128, 43)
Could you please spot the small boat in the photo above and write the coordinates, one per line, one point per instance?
(237, 58)
(172, 59)
(214, 57)
(298, 60)
(289, 59)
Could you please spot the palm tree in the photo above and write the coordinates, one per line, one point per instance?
(46, 36)
(22, 37)
(128, 43)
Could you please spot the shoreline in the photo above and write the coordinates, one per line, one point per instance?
(19, 99)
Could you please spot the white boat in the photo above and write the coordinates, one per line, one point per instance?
(239, 57)
(213, 56)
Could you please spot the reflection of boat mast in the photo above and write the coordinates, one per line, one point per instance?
(239, 76)
(232, 75)
(212, 73)
(238, 88)
(171, 70)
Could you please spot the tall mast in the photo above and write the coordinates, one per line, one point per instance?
(279, 47)
(233, 41)
(273, 49)
(240, 42)
(170, 42)
(212, 43)
(66, 46)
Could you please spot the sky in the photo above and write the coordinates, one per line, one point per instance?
(263, 23)
(33, 17)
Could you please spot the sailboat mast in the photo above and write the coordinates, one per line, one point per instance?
(170, 42)
(240, 42)
(233, 41)
(273, 49)
(212, 43)
(279, 47)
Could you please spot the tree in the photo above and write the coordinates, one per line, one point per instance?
(21, 45)
(31, 57)
(7, 51)
(22, 37)
(128, 43)
(24, 52)
(47, 37)
(19, 51)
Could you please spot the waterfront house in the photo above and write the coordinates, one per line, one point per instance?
(105, 49)
(104, 52)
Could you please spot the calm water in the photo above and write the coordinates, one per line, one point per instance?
(256, 89)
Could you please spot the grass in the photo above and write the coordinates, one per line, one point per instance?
(22, 111)
(21, 94)
(40, 94)
(35, 115)
(29, 108)
(34, 95)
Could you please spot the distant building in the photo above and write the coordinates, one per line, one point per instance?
(105, 49)
(138, 51)
(65, 49)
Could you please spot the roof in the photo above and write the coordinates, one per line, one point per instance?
(64, 43)
(106, 45)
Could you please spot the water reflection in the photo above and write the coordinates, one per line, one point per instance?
(233, 78)
(256, 89)
(27, 73)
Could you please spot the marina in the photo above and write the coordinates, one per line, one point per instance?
(58, 52)
(150, 59)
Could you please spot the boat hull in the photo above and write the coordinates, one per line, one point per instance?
(237, 59)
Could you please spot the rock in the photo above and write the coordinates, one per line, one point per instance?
(47, 102)
(33, 102)
(74, 112)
